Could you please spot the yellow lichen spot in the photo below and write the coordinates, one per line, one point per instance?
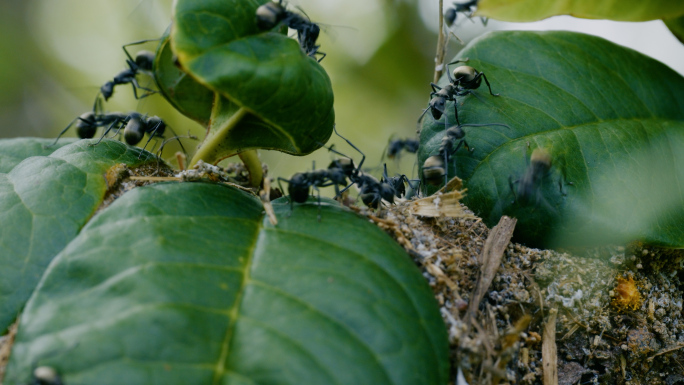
(627, 296)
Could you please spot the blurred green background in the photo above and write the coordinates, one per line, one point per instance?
(56, 55)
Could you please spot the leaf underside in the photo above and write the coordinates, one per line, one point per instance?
(287, 93)
(621, 10)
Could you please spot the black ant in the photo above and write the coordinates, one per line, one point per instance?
(469, 78)
(143, 61)
(300, 184)
(272, 14)
(372, 191)
(435, 167)
(45, 375)
(464, 80)
(467, 8)
(134, 124)
(395, 147)
(529, 185)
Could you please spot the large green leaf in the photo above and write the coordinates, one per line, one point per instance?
(598, 108)
(190, 284)
(183, 92)
(44, 202)
(286, 94)
(13, 151)
(623, 10)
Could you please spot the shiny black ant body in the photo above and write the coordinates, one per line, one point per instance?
(529, 185)
(468, 8)
(272, 14)
(300, 184)
(463, 81)
(372, 191)
(469, 78)
(45, 375)
(435, 167)
(143, 62)
(395, 147)
(134, 124)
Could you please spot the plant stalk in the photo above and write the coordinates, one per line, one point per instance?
(212, 142)
(253, 165)
(439, 56)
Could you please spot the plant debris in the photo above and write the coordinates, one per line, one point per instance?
(607, 315)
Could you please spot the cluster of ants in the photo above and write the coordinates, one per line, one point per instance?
(134, 125)
(371, 191)
(272, 16)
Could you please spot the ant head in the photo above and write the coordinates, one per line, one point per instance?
(437, 104)
(144, 60)
(387, 192)
(156, 125)
(298, 187)
(345, 165)
(86, 125)
(269, 15)
(450, 16)
(433, 170)
(107, 90)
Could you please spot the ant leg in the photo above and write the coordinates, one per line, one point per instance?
(420, 118)
(152, 134)
(435, 88)
(561, 182)
(289, 197)
(62, 132)
(115, 122)
(488, 86)
(344, 189)
(135, 84)
(321, 53)
(446, 169)
(511, 182)
(458, 123)
(178, 139)
(97, 106)
(459, 61)
(318, 216)
(136, 43)
(484, 124)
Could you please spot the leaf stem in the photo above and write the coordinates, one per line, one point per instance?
(208, 147)
(253, 165)
(439, 56)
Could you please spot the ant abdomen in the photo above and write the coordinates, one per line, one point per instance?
(433, 170)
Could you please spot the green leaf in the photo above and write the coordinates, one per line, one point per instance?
(676, 26)
(623, 10)
(597, 108)
(184, 93)
(13, 151)
(278, 97)
(44, 202)
(188, 283)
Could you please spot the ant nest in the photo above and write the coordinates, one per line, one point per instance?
(611, 314)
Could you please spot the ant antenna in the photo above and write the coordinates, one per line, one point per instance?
(363, 156)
